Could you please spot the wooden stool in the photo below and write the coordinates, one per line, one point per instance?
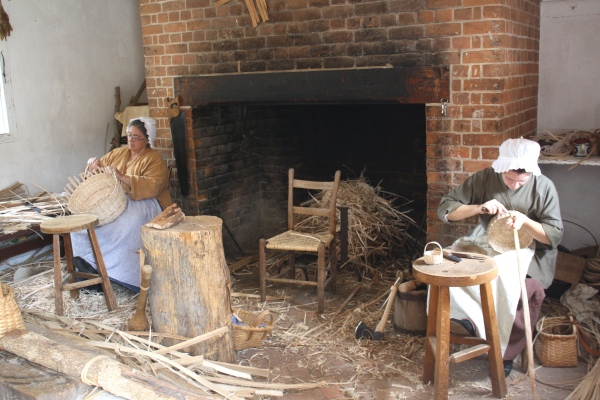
(64, 226)
(441, 277)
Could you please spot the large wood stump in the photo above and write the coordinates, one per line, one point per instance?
(189, 292)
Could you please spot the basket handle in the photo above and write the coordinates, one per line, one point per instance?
(436, 243)
(262, 315)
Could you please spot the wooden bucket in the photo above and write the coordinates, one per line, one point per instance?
(410, 311)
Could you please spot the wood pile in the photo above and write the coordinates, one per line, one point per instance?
(19, 211)
(377, 230)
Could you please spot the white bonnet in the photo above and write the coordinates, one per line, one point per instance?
(150, 125)
(518, 154)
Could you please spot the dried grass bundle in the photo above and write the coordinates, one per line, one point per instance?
(14, 191)
(23, 212)
(5, 27)
(376, 226)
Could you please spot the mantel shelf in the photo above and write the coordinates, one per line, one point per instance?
(571, 160)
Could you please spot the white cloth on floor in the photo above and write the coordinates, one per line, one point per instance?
(119, 240)
(465, 302)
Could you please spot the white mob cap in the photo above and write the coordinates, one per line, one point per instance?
(150, 125)
(518, 154)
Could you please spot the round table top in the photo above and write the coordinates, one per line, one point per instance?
(467, 272)
(69, 223)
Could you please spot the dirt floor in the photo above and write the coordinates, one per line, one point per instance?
(304, 348)
(367, 369)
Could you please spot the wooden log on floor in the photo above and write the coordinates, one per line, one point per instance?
(102, 371)
(189, 293)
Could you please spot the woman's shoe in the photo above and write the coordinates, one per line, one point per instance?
(462, 327)
(508, 364)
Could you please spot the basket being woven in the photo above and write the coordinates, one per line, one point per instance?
(10, 315)
(99, 194)
(556, 344)
(501, 238)
(254, 329)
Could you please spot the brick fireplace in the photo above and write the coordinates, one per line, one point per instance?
(363, 78)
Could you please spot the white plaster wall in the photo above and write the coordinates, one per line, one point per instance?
(63, 60)
(569, 98)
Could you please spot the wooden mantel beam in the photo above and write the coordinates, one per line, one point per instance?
(407, 85)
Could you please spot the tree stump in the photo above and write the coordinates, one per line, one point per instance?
(189, 291)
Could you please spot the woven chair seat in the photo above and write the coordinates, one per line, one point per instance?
(298, 241)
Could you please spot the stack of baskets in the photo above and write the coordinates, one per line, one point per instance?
(98, 193)
(252, 330)
(10, 315)
(556, 344)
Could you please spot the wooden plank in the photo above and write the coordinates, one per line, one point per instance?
(408, 85)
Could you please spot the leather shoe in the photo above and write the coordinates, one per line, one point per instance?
(462, 327)
(508, 365)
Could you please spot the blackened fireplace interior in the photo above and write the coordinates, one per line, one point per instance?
(243, 148)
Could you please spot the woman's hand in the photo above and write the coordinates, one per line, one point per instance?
(121, 177)
(516, 220)
(493, 207)
(93, 163)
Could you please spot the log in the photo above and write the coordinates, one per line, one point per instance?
(102, 371)
(189, 293)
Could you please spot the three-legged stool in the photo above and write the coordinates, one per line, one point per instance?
(64, 226)
(441, 277)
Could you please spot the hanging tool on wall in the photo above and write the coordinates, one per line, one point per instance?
(179, 143)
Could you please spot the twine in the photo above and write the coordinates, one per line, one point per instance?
(87, 366)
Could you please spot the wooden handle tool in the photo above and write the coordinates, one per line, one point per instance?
(139, 322)
(386, 313)
(526, 317)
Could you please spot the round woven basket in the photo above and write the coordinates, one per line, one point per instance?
(100, 194)
(254, 329)
(501, 238)
(10, 315)
(556, 344)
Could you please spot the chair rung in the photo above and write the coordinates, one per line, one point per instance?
(79, 285)
(292, 281)
(469, 353)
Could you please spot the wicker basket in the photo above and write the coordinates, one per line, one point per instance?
(10, 315)
(556, 344)
(435, 256)
(100, 194)
(254, 329)
(501, 238)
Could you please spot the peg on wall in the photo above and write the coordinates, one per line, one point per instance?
(444, 102)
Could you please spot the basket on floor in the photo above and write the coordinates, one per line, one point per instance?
(99, 194)
(10, 315)
(556, 344)
(253, 328)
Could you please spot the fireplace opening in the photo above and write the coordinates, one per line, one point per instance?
(243, 153)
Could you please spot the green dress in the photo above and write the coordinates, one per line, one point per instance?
(537, 199)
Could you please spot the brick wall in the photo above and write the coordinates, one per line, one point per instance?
(491, 46)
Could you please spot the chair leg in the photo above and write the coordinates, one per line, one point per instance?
(262, 263)
(491, 333)
(58, 300)
(333, 264)
(109, 295)
(69, 260)
(429, 362)
(291, 264)
(321, 278)
(442, 345)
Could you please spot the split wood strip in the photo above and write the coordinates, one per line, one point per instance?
(102, 371)
(588, 388)
(217, 332)
(257, 296)
(163, 359)
(265, 385)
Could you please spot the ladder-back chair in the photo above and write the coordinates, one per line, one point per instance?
(292, 241)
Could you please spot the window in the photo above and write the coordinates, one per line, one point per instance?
(5, 102)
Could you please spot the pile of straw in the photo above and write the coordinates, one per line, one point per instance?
(19, 211)
(376, 227)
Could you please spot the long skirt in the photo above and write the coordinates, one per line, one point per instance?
(119, 240)
(465, 302)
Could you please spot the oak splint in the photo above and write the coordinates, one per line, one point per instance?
(189, 292)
